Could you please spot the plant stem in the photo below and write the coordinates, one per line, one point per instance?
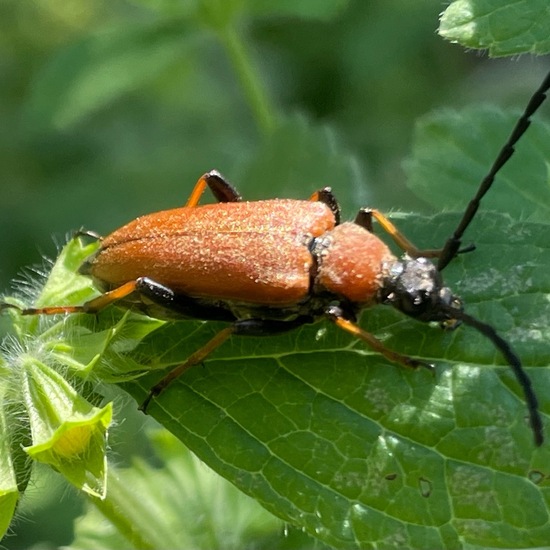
(113, 508)
(257, 97)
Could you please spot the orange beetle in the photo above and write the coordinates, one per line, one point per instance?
(271, 266)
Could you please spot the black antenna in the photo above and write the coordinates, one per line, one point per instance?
(452, 246)
(525, 382)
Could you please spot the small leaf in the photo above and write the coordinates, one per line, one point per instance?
(502, 27)
(64, 283)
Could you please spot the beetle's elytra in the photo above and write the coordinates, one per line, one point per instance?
(270, 266)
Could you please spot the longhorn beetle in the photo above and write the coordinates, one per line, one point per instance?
(270, 266)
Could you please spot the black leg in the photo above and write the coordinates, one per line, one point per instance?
(364, 219)
(162, 302)
(326, 196)
(221, 188)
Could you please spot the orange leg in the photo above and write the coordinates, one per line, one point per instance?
(335, 314)
(364, 219)
(92, 306)
(241, 327)
(198, 357)
(220, 187)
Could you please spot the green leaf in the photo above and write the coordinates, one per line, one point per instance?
(452, 153)
(334, 439)
(502, 27)
(98, 70)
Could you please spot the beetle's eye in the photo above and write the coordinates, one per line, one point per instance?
(415, 303)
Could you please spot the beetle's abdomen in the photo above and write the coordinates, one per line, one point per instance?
(246, 252)
(350, 262)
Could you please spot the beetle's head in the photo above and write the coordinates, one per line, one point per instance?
(415, 287)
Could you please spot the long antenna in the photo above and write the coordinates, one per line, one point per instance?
(525, 382)
(452, 245)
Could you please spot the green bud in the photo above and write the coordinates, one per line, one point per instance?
(68, 432)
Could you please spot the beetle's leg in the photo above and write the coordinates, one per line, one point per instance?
(87, 233)
(198, 357)
(95, 305)
(176, 304)
(241, 327)
(364, 219)
(49, 310)
(157, 295)
(336, 315)
(222, 190)
(326, 196)
(92, 306)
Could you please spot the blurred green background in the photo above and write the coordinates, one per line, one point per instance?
(114, 108)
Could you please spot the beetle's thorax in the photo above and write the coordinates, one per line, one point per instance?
(349, 263)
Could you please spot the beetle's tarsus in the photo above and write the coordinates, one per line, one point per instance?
(417, 363)
(144, 406)
(469, 248)
(82, 232)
